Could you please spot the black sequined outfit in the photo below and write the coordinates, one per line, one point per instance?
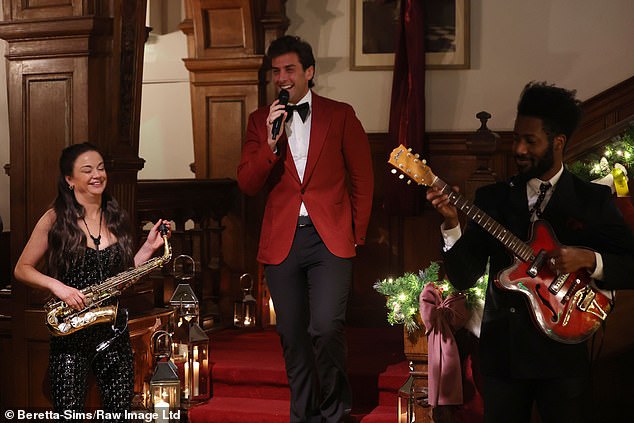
(72, 356)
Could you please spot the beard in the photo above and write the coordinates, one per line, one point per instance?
(537, 166)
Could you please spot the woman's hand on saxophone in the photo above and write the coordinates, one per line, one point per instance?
(152, 243)
(71, 296)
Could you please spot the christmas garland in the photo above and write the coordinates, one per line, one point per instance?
(403, 294)
(619, 150)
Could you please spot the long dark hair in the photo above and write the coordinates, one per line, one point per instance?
(66, 240)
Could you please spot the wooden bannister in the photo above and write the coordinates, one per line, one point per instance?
(197, 208)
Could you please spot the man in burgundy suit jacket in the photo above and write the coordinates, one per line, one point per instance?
(318, 174)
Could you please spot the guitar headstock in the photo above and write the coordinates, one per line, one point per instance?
(410, 165)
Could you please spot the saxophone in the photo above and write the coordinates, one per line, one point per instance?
(63, 320)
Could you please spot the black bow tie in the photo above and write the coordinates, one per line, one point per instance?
(302, 109)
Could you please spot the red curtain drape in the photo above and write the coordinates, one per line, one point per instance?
(407, 110)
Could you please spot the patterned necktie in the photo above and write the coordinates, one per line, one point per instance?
(543, 189)
(302, 109)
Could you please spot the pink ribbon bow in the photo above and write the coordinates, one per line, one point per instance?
(442, 318)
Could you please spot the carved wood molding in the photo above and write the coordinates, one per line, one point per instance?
(51, 9)
(605, 115)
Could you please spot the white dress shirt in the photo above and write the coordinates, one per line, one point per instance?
(298, 134)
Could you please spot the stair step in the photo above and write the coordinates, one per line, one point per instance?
(380, 414)
(250, 385)
(240, 410)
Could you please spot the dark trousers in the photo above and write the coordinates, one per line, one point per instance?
(73, 356)
(561, 400)
(310, 292)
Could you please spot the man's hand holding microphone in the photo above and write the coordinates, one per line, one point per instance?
(276, 118)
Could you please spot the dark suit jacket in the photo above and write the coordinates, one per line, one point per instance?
(338, 157)
(581, 214)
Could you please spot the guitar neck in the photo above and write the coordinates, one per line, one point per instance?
(518, 247)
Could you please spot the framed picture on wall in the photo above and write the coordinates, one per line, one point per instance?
(374, 32)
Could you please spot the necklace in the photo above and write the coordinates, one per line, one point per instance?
(95, 239)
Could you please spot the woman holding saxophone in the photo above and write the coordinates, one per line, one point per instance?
(84, 238)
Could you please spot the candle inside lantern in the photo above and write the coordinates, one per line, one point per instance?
(186, 389)
(161, 408)
(195, 381)
(272, 315)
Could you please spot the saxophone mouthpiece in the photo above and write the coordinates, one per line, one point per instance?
(163, 229)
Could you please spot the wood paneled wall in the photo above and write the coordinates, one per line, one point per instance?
(73, 75)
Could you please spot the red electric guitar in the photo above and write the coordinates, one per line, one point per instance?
(565, 307)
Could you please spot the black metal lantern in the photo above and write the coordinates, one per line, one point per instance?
(412, 395)
(406, 401)
(190, 345)
(184, 301)
(244, 309)
(164, 395)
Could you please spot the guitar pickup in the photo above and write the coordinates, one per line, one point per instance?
(558, 283)
(571, 291)
(537, 264)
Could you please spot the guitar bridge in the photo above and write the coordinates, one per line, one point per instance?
(588, 303)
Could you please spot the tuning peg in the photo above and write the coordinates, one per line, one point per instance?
(409, 181)
(416, 160)
(401, 176)
(424, 161)
(417, 155)
(394, 171)
(409, 149)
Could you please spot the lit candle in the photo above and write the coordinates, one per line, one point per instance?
(195, 381)
(272, 315)
(247, 317)
(186, 390)
(162, 410)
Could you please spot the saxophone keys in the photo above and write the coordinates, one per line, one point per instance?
(90, 317)
(64, 327)
(76, 321)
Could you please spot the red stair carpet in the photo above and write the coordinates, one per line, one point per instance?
(249, 380)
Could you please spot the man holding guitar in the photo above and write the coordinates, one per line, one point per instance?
(531, 351)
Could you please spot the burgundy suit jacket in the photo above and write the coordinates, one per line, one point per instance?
(337, 187)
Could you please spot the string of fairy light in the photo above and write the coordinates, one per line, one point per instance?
(402, 294)
(619, 150)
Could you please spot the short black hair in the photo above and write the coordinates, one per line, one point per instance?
(292, 44)
(558, 108)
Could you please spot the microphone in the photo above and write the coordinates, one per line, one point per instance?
(277, 123)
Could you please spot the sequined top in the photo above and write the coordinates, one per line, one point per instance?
(84, 273)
